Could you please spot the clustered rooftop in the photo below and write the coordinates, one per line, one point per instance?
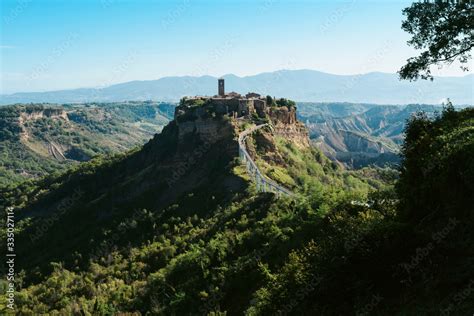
(231, 103)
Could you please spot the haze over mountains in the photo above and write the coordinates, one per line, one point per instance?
(299, 85)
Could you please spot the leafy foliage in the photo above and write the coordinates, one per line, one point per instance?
(437, 172)
(39, 139)
(202, 252)
(443, 29)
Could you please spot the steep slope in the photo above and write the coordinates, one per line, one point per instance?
(39, 139)
(213, 251)
(170, 228)
(371, 136)
(414, 258)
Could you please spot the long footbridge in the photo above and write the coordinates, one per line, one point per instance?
(263, 183)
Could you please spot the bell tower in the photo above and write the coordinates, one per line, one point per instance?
(221, 87)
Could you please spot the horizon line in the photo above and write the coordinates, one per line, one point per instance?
(226, 75)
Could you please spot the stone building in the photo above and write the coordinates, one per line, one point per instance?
(251, 95)
(221, 87)
(232, 103)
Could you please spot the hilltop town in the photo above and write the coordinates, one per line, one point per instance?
(206, 115)
(233, 104)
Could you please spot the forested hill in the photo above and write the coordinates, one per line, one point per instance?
(157, 232)
(37, 139)
(182, 202)
(41, 138)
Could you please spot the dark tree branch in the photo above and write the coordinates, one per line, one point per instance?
(443, 30)
(454, 56)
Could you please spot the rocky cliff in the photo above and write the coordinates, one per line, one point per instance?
(287, 126)
(35, 114)
(211, 125)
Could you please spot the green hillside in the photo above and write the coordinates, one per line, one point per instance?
(123, 234)
(39, 139)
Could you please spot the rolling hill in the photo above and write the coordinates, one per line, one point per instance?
(359, 134)
(184, 204)
(299, 85)
(37, 139)
(114, 236)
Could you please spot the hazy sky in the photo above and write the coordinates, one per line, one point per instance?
(57, 44)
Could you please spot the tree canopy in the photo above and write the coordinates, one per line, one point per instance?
(443, 30)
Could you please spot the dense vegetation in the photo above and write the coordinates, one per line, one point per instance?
(310, 172)
(39, 139)
(345, 246)
(409, 258)
(443, 31)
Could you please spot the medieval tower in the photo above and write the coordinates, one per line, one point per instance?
(221, 87)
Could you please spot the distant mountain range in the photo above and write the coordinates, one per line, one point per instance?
(299, 85)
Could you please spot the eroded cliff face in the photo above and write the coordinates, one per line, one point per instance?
(212, 127)
(40, 114)
(263, 144)
(204, 122)
(206, 129)
(357, 143)
(287, 126)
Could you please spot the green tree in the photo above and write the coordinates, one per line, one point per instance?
(270, 101)
(437, 170)
(443, 30)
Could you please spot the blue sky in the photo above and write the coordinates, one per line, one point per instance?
(59, 44)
